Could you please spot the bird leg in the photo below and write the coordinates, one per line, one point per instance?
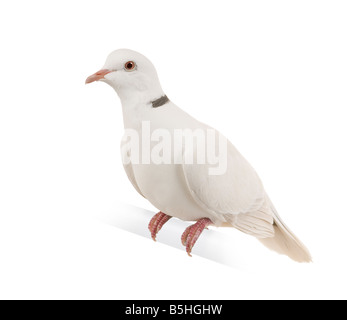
(192, 233)
(157, 222)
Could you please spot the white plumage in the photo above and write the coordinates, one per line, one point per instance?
(187, 191)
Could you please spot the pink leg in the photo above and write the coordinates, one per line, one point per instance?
(185, 235)
(192, 233)
(157, 222)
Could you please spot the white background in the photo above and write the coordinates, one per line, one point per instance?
(270, 75)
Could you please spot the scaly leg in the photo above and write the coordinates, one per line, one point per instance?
(192, 233)
(157, 222)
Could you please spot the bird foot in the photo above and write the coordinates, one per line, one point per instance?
(157, 223)
(192, 233)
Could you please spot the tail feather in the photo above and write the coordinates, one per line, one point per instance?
(285, 242)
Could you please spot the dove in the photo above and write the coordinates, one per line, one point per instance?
(178, 185)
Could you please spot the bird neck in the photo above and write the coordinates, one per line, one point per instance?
(139, 92)
(136, 105)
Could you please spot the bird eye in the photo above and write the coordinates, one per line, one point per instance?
(130, 65)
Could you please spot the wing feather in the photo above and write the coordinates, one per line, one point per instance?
(236, 197)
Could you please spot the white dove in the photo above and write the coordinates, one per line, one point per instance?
(188, 191)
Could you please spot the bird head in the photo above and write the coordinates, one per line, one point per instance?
(131, 74)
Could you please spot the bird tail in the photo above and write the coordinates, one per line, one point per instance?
(285, 242)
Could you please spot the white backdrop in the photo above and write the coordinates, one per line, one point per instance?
(270, 75)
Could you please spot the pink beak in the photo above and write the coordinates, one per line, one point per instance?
(97, 75)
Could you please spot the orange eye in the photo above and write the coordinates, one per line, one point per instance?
(130, 65)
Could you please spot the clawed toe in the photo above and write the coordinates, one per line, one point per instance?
(157, 223)
(189, 236)
(192, 233)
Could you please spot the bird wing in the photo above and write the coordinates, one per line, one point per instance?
(236, 197)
